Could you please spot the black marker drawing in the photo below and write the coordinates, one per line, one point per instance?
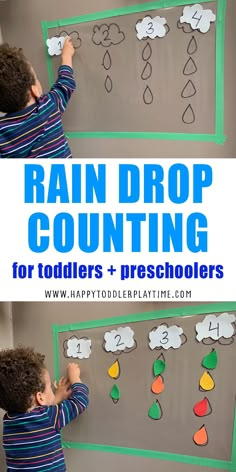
(125, 351)
(185, 27)
(189, 90)
(192, 46)
(155, 412)
(188, 116)
(149, 30)
(75, 37)
(200, 438)
(147, 96)
(190, 67)
(209, 379)
(114, 370)
(147, 52)
(223, 341)
(106, 63)
(165, 339)
(146, 73)
(106, 36)
(75, 350)
(151, 27)
(161, 358)
(202, 408)
(108, 84)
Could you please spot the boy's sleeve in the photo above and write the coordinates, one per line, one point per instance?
(63, 88)
(65, 412)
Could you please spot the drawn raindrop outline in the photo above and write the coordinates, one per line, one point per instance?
(148, 90)
(107, 58)
(115, 393)
(207, 439)
(108, 81)
(186, 87)
(194, 50)
(187, 66)
(206, 378)
(155, 407)
(149, 73)
(148, 48)
(189, 107)
(208, 411)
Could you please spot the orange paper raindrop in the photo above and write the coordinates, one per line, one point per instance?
(158, 385)
(200, 437)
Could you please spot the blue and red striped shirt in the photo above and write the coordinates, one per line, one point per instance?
(32, 441)
(37, 131)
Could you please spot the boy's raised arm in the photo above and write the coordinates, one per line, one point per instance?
(65, 412)
(65, 84)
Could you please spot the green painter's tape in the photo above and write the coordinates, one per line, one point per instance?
(233, 454)
(148, 316)
(220, 48)
(218, 137)
(210, 138)
(48, 59)
(55, 352)
(162, 314)
(166, 456)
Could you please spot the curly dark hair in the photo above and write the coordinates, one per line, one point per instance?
(16, 78)
(21, 372)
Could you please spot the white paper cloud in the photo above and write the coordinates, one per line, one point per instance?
(119, 339)
(55, 45)
(165, 337)
(216, 327)
(198, 18)
(151, 27)
(78, 348)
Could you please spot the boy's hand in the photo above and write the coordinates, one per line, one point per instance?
(62, 390)
(67, 52)
(73, 372)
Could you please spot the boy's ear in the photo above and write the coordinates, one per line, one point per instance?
(40, 398)
(35, 91)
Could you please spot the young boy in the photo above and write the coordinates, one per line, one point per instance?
(34, 416)
(32, 125)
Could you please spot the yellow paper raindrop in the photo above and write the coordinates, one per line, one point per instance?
(114, 370)
(206, 382)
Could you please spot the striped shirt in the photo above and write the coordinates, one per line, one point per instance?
(32, 441)
(37, 131)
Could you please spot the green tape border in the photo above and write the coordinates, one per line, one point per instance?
(218, 137)
(147, 316)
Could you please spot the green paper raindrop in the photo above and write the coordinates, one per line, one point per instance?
(211, 360)
(115, 394)
(155, 411)
(158, 367)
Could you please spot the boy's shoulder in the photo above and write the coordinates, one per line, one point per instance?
(44, 106)
(29, 415)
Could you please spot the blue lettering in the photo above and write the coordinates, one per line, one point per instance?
(34, 188)
(128, 183)
(202, 177)
(38, 222)
(63, 232)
